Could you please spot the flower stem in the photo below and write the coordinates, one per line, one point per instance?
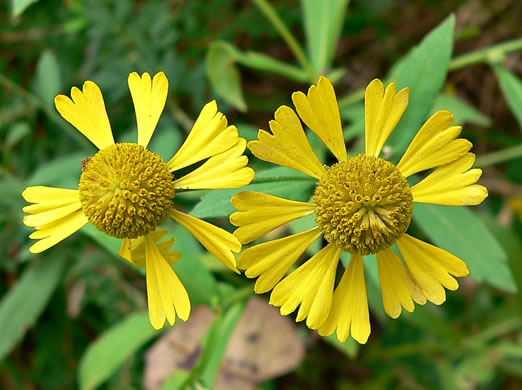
(239, 295)
(499, 156)
(491, 53)
(290, 40)
(205, 355)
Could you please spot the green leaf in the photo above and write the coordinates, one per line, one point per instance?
(323, 21)
(165, 142)
(462, 233)
(60, 172)
(260, 61)
(461, 110)
(511, 87)
(349, 348)
(175, 380)
(283, 182)
(48, 80)
(110, 244)
(218, 341)
(103, 357)
(16, 132)
(423, 71)
(224, 76)
(19, 6)
(23, 303)
(511, 243)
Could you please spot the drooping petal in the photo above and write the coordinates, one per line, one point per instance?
(259, 213)
(166, 294)
(224, 170)
(320, 112)
(134, 250)
(349, 311)
(56, 214)
(216, 240)
(51, 234)
(435, 144)
(431, 267)
(270, 261)
(209, 136)
(86, 111)
(452, 185)
(50, 216)
(397, 286)
(383, 109)
(149, 97)
(311, 286)
(288, 146)
(47, 198)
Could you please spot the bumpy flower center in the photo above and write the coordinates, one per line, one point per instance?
(364, 204)
(126, 191)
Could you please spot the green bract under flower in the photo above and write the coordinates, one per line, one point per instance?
(126, 190)
(364, 204)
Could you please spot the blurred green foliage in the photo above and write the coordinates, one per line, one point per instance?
(73, 317)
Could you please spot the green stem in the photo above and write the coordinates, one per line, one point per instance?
(485, 55)
(36, 102)
(352, 98)
(482, 55)
(499, 157)
(292, 43)
(239, 295)
(205, 355)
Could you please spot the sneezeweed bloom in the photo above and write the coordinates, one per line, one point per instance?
(362, 205)
(127, 191)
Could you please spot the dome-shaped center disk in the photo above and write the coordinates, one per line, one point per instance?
(364, 204)
(126, 190)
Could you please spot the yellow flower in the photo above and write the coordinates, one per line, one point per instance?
(126, 191)
(362, 205)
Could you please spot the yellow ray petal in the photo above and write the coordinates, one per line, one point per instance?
(383, 109)
(217, 241)
(149, 97)
(224, 170)
(349, 311)
(166, 294)
(452, 184)
(397, 286)
(55, 195)
(435, 144)
(431, 267)
(320, 112)
(52, 215)
(134, 250)
(57, 231)
(311, 286)
(209, 136)
(86, 111)
(288, 146)
(259, 213)
(272, 260)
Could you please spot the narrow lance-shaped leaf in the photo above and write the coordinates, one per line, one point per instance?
(106, 355)
(511, 87)
(423, 71)
(462, 233)
(323, 21)
(24, 302)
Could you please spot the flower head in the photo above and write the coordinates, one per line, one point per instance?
(127, 191)
(362, 205)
